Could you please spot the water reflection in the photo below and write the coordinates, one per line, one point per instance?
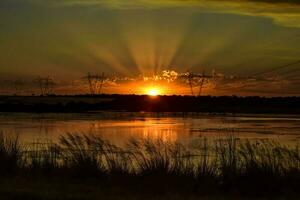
(120, 127)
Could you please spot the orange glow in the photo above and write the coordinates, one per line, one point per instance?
(142, 87)
(153, 91)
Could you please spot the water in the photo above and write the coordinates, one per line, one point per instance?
(119, 127)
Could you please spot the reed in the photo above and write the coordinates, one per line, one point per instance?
(10, 154)
(227, 164)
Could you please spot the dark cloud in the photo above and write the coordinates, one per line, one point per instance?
(275, 1)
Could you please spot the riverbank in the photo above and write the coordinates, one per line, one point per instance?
(144, 103)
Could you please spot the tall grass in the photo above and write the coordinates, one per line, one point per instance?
(82, 153)
(41, 157)
(227, 163)
(158, 158)
(10, 154)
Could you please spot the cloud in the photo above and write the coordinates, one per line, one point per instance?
(282, 12)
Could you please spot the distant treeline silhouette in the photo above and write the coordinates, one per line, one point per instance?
(138, 103)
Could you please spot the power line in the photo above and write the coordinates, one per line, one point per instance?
(291, 71)
(276, 68)
(228, 87)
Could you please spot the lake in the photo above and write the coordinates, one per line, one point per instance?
(119, 127)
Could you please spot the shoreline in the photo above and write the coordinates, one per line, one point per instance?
(147, 104)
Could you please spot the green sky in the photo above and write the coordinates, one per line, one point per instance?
(67, 38)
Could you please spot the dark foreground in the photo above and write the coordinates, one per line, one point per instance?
(62, 189)
(136, 103)
(88, 167)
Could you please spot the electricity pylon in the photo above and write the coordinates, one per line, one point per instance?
(96, 82)
(200, 80)
(18, 85)
(46, 85)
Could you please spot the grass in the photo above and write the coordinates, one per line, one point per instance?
(152, 167)
(10, 154)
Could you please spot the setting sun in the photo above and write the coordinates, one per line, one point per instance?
(153, 91)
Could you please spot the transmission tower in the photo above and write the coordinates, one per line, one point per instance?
(18, 85)
(46, 85)
(196, 80)
(203, 79)
(95, 82)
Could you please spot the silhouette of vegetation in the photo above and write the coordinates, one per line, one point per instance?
(146, 168)
(133, 103)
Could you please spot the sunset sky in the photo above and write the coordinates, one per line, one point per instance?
(136, 40)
